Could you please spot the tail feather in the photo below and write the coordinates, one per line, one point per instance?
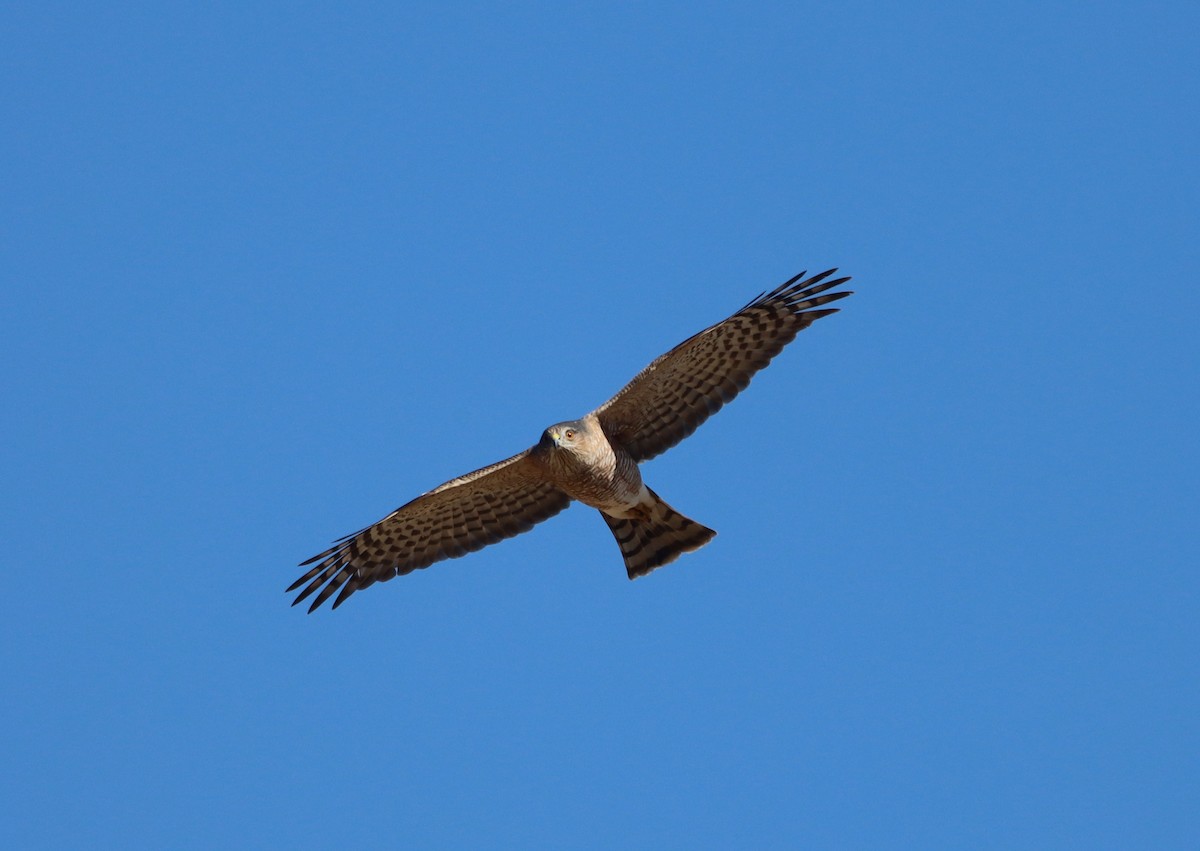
(656, 539)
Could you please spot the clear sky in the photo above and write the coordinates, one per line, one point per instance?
(271, 270)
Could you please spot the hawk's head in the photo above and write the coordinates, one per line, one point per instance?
(569, 435)
(574, 443)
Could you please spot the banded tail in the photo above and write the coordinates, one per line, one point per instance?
(656, 539)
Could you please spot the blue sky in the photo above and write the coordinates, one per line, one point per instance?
(272, 270)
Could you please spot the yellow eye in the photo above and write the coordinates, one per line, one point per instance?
(569, 434)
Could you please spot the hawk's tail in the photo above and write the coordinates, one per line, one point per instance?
(656, 539)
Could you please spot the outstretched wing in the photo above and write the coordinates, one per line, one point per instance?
(670, 398)
(461, 516)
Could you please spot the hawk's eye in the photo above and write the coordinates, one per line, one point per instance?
(569, 434)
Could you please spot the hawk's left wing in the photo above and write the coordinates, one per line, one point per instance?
(670, 398)
(461, 516)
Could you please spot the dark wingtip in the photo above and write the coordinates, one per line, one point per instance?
(350, 587)
(797, 287)
(814, 315)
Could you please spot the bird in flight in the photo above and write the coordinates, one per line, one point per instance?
(593, 459)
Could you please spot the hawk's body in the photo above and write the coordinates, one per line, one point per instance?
(593, 460)
(649, 532)
(593, 472)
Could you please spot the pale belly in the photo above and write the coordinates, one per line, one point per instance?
(617, 494)
(625, 504)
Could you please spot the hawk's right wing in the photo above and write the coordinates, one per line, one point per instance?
(670, 398)
(461, 516)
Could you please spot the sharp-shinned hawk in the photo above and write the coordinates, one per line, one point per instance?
(593, 459)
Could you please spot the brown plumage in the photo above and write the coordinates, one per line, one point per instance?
(593, 459)
(656, 536)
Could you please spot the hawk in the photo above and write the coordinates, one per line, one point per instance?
(593, 459)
